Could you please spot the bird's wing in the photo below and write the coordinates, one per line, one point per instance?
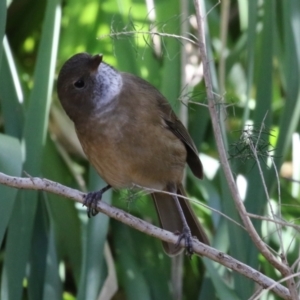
(175, 125)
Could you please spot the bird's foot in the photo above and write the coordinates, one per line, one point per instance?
(188, 240)
(91, 201)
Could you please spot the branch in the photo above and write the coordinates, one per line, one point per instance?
(35, 183)
(284, 269)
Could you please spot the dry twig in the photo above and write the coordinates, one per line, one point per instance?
(282, 267)
(35, 183)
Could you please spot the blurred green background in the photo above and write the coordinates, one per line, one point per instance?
(48, 247)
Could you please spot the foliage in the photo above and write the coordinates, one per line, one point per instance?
(49, 249)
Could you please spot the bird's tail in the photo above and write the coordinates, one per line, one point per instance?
(170, 220)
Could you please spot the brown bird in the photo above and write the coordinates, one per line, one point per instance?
(132, 137)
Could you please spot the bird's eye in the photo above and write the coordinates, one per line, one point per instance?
(79, 84)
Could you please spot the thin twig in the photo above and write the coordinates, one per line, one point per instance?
(260, 131)
(254, 152)
(287, 278)
(290, 279)
(151, 33)
(282, 223)
(291, 179)
(257, 292)
(278, 186)
(194, 201)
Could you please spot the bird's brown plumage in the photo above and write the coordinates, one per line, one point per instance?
(135, 139)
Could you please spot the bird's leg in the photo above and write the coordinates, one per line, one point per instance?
(91, 200)
(186, 232)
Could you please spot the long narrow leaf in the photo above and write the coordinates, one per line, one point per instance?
(94, 233)
(21, 226)
(11, 94)
(11, 164)
(2, 23)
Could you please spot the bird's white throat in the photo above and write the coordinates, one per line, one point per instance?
(109, 83)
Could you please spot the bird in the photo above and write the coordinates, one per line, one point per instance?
(132, 137)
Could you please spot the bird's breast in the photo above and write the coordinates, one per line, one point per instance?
(129, 150)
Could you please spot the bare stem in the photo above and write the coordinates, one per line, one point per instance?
(282, 223)
(222, 153)
(290, 279)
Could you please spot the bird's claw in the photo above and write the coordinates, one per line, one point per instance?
(91, 201)
(188, 240)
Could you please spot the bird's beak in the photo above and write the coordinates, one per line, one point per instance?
(96, 61)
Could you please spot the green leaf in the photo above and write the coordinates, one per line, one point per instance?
(263, 106)
(171, 71)
(251, 39)
(94, 233)
(64, 216)
(52, 285)
(222, 289)
(40, 98)
(291, 74)
(10, 164)
(21, 226)
(11, 94)
(38, 252)
(133, 271)
(2, 23)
